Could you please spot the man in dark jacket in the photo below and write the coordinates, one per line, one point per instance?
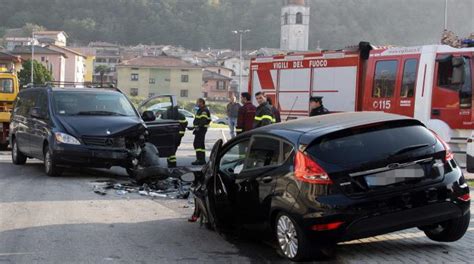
(201, 123)
(264, 114)
(246, 114)
(316, 105)
(174, 114)
(275, 111)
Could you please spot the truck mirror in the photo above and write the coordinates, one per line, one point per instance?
(458, 75)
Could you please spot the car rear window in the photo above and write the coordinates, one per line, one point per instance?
(370, 143)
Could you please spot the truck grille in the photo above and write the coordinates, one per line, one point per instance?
(118, 142)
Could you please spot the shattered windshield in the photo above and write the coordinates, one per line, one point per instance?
(87, 103)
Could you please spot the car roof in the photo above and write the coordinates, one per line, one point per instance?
(70, 89)
(313, 127)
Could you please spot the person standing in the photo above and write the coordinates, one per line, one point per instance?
(174, 114)
(316, 105)
(246, 115)
(201, 123)
(264, 114)
(275, 111)
(232, 114)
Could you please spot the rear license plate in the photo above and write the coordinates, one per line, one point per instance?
(395, 176)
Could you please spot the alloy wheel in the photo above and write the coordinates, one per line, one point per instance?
(287, 236)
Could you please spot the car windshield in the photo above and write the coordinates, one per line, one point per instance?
(87, 103)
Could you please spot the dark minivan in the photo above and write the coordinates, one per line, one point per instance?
(319, 181)
(87, 127)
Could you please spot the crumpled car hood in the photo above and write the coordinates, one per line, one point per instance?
(102, 126)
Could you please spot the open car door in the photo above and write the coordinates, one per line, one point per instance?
(164, 133)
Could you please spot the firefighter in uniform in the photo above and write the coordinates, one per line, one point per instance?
(316, 105)
(174, 114)
(264, 114)
(201, 123)
(246, 115)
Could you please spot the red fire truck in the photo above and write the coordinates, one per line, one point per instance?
(432, 83)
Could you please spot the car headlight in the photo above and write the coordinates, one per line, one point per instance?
(66, 139)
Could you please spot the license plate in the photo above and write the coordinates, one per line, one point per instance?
(395, 176)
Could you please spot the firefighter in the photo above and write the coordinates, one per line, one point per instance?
(246, 114)
(264, 114)
(316, 105)
(276, 113)
(174, 114)
(201, 123)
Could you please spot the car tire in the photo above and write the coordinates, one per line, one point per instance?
(292, 242)
(50, 166)
(18, 158)
(448, 231)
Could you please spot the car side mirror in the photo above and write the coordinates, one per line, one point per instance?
(36, 113)
(148, 116)
(458, 70)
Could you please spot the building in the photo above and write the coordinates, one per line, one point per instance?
(148, 76)
(295, 26)
(75, 64)
(216, 87)
(10, 62)
(12, 42)
(109, 55)
(58, 38)
(54, 61)
(221, 70)
(89, 53)
(233, 63)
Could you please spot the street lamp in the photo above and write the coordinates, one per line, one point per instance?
(241, 32)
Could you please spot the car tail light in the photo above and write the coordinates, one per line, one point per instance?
(325, 227)
(465, 197)
(307, 170)
(449, 153)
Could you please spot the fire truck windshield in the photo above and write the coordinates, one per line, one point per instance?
(465, 94)
(445, 79)
(6, 85)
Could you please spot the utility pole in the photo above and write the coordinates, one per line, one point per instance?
(32, 56)
(241, 32)
(445, 14)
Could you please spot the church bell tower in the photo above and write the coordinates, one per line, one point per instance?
(294, 25)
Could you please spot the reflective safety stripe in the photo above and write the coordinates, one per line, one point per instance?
(274, 120)
(183, 121)
(182, 132)
(238, 130)
(202, 126)
(172, 158)
(200, 150)
(260, 118)
(202, 116)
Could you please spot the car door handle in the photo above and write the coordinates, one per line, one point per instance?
(267, 179)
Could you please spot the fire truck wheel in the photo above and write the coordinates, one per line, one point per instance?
(18, 158)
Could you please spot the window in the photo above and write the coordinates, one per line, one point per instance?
(264, 152)
(384, 79)
(185, 78)
(409, 78)
(112, 69)
(113, 60)
(183, 93)
(220, 85)
(151, 95)
(152, 80)
(24, 103)
(43, 58)
(445, 78)
(134, 77)
(6, 85)
(42, 103)
(285, 19)
(134, 92)
(299, 18)
(101, 60)
(287, 150)
(167, 80)
(233, 159)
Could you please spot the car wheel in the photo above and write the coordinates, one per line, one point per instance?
(448, 231)
(50, 167)
(18, 158)
(292, 242)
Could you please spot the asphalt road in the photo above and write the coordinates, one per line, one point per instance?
(61, 220)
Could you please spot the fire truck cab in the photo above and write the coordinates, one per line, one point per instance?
(431, 83)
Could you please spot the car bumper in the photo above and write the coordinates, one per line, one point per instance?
(422, 206)
(87, 156)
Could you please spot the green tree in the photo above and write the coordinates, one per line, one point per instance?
(41, 75)
(29, 28)
(102, 70)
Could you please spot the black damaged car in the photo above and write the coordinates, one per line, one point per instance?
(319, 181)
(89, 127)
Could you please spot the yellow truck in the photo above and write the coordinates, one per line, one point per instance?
(9, 88)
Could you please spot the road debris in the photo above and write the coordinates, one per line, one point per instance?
(171, 187)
